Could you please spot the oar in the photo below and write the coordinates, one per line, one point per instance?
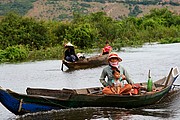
(62, 66)
(62, 60)
(168, 77)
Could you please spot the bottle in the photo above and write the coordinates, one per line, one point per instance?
(150, 83)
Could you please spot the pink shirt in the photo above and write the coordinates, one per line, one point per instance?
(107, 48)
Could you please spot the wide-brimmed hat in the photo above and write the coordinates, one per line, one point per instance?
(69, 45)
(114, 55)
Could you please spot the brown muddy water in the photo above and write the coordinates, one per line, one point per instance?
(47, 74)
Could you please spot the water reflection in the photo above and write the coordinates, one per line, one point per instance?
(80, 114)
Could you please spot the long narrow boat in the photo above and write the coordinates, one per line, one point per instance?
(90, 62)
(48, 99)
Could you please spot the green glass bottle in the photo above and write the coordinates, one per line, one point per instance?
(150, 83)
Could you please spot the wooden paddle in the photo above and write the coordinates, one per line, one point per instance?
(62, 59)
(62, 66)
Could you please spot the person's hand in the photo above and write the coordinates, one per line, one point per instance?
(104, 84)
(123, 77)
(134, 86)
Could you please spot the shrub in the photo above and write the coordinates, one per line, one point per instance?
(14, 53)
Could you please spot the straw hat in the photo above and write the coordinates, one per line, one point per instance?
(114, 55)
(69, 45)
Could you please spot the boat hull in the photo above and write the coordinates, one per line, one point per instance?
(20, 104)
(91, 62)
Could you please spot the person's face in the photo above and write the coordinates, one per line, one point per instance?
(116, 75)
(113, 60)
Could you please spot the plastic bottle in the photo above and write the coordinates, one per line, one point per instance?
(150, 83)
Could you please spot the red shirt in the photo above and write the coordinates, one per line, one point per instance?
(107, 48)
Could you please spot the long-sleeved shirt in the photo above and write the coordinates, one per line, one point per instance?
(70, 51)
(107, 72)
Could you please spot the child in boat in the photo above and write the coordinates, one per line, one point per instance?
(118, 86)
(117, 82)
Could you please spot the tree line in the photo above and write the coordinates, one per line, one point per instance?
(24, 38)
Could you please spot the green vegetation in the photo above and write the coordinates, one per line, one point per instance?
(13, 54)
(24, 39)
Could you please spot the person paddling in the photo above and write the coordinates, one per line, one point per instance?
(70, 54)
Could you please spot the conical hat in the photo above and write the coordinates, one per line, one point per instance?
(69, 44)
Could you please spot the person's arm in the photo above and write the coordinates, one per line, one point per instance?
(110, 49)
(102, 52)
(123, 77)
(113, 90)
(118, 89)
(74, 53)
(128, 78)
(66, 54)
(102, 78)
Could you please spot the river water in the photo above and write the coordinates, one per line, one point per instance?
(159, 58)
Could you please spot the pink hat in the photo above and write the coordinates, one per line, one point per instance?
(114, 55)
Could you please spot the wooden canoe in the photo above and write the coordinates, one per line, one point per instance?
(90, 62)
(48, 99)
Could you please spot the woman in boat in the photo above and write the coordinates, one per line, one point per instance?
(107, 49)
(70, 54)
(113, 60)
